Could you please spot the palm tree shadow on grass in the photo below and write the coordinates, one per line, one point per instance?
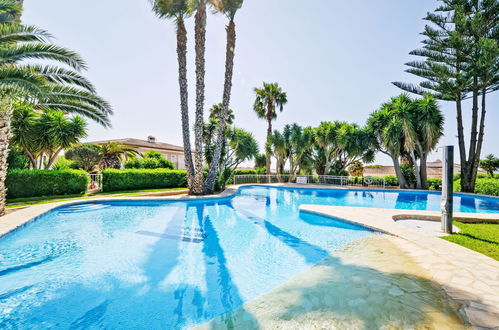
(342, 295)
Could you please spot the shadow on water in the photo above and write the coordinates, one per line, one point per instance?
(346, 295)
(218, 276)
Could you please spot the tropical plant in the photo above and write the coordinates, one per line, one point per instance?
(268, 100)
(85, 156)
(178, 10)
(114, 154)
(62, 163)
(43, 135)
(229, 8)
(260, 160)
(408, 128)
(150, 160)
(490, 164)
(300, 142)
(461, 61)
(278, 145)
(46, 85)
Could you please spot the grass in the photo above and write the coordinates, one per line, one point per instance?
(483, 238)
(29, 201)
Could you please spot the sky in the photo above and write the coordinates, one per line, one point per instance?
(335, 59)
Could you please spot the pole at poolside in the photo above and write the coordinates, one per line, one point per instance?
(447, 188)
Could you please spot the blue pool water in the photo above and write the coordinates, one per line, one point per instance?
(172, 265)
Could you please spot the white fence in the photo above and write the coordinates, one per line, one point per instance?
(312, 179)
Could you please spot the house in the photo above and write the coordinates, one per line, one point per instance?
(169, 151)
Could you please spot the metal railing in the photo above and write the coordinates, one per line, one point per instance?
(352, 181)
(95, 184)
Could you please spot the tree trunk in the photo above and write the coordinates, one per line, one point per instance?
(417, 174)
(423, 170)
(476, 160)
(5, 136)
(52, 159)
(184, 105)
(209, 184)
(473, 138)
(398, 172)
(269, 133)
(465, 183)
(200, 40)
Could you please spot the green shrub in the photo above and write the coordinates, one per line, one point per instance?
(134, 179)
(391, 181)
(434, 183)
(151, 160)
(32, 183)
(245, 172)
(63, 164)
(482, 186)
(17, 160)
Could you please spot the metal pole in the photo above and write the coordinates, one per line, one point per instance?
(447, 188)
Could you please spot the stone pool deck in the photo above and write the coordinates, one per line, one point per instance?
(406, 279)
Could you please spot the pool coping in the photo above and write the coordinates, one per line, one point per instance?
(470, 278)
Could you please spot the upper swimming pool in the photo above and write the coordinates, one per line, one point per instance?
(172, 265)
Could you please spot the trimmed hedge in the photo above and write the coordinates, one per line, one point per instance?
(33, 183)
(482, 186)
(245, 172)
(133, 179)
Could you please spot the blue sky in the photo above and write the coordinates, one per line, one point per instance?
(335, 59)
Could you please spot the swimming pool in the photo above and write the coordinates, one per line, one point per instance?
(171, 265)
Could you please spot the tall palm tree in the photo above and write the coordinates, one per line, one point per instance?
(200, 41)
(46, 86)
(178, 10)
(268, 100)
(229, 8)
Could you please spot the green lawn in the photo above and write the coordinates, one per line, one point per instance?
(483, 238)
(21, 202)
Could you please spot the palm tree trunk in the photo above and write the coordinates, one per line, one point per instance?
(269, 133)
(209, 184)
(200, 40)
(417, 174)
(184, 97)
(5, 136)
(52, 159)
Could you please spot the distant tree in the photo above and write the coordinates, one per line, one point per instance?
(260, 160)
(490, 164)
(460, 61)
(300, 143)
(268, 100)
(85, 156)
(356, 169)
(115, 153)
(278, 145)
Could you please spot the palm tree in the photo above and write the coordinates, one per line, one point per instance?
(115, 153)
(229, 8)
(268, 100)
(178, 10)
(200, 41)
(278, 145)
(216, 113)
(10, 11)
(46, 86)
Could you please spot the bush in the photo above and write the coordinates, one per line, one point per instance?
(151, 160)
(32, 183)
(391, 181)
(434, 183)
(245, 172)
(135, 179)
(63, 164)
(17, 160)
(482, 186)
